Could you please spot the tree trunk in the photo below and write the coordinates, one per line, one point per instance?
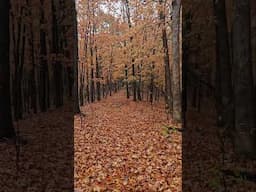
(34, 74)
(127, 82)
(43, 72)
(128, 15)
(75, 59)
(223, 65)
(134, 82)
(151, 90)
(244, 138)
(168, 90)
(92, 87)
(176, 80)
(98, 77)
(6, 126)
(139, 83)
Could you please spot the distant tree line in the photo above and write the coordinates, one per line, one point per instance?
(139, 50)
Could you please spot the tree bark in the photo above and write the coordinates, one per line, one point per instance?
(6, 125)
(176, 80)
(244, 138)
(223, 65)
(75, 59)
(168, 89)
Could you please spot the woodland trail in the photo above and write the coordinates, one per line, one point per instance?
(120, 146)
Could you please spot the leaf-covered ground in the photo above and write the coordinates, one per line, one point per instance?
(121, 145)
(206, 154)
(46, 159)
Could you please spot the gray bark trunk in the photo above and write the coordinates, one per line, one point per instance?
(176, 70)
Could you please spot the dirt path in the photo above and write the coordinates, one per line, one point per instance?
(120, 147)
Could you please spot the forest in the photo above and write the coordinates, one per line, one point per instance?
(127, 95)
(129, 44)
(38, 53)
(218, 144)
(40, 61)
(128, 133)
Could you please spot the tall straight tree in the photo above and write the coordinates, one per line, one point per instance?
(223, 65)
(167, 68)
(243, 81)
(75, 65)
(134, 83)
(176, 78)
(6, 126)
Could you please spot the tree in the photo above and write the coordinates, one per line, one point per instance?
(41, 55)
(176, 67)
(167, 68)
(244, 114)
(134, 81)
(6, 125)
(223, 63)
(75, 67)
(128, 44)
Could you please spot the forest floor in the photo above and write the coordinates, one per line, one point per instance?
(45, 161)
(207, 155)
(121, 145)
